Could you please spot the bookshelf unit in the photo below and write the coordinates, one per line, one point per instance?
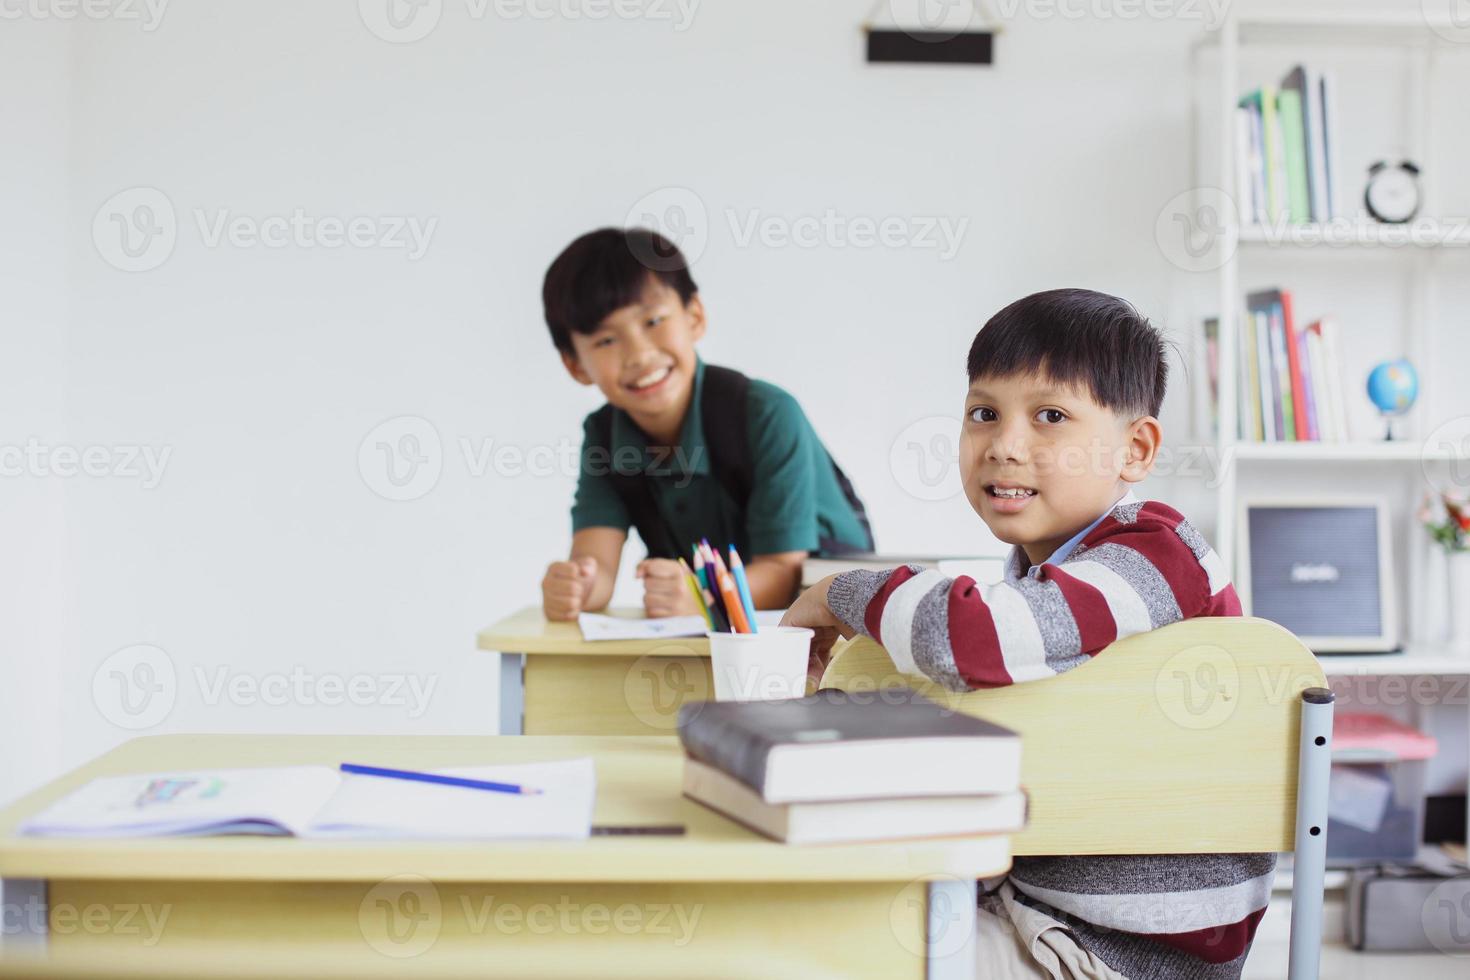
(1295, 30)
(1293, 36)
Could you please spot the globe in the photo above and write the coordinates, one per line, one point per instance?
(1392, 387)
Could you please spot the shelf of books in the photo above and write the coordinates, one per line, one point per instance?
(1288, 384)
(1290, 348)
(1287, 152)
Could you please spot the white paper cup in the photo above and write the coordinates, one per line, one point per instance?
(765, 666)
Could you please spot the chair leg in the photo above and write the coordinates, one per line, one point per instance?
(949, 932)
(1309, 865)
(23, 902)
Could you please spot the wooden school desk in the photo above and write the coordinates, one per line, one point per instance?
(552, 682)
(719, 901)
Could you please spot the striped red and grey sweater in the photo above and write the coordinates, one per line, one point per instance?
(1142, 566)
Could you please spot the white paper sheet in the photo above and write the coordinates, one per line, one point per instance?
(219, 801)
(320, 801)
(597, 626)
(374, 807)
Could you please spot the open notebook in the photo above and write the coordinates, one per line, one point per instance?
(319, 801)
(600, 626)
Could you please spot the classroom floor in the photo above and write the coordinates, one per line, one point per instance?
(1267, 960)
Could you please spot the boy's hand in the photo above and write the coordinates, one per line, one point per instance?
(820, 656)
(665, 589)
(566, 586)
(810, 610)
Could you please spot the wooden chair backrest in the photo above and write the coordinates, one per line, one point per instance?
(1180, 740)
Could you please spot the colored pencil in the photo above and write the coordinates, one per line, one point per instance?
(737, 569)
(429, 777)
(731, 595)
(720, 622)
(699, 568)
(717, 613)
(693, 583)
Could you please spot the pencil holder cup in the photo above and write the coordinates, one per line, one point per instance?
(765, 666)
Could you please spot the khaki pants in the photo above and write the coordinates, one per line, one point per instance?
(1016, 942)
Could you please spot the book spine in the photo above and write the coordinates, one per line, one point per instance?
(1258, 168)
(1330, 139)
(1206, 358)
(1294, 364)
(1314, 116)
(1245, 415)
(1250, 400)
(1294, 156)
(1309, 388)
(1334, 377)
(1276, 186)
(1285, 423)
(733, 751)
(1269, 405)
(1271, 382)
(1313, 342)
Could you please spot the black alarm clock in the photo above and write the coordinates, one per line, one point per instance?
(1392, 196)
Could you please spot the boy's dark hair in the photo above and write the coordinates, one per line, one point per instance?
(605, 270)
(1092, 341)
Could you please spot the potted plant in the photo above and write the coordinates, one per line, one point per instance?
(1447, 519)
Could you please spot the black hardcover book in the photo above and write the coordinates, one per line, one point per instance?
(861, 745)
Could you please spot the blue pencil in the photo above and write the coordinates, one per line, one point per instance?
(429, 777)
(737, 568)
(699, 568)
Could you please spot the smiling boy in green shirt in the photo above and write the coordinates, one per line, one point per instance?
(682, 450)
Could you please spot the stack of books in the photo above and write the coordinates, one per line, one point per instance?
(1289, 382)
(836, 767)
(1286, 142)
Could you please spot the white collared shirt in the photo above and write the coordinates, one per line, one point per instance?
(1018, 554)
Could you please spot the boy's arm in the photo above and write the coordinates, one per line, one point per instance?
(599, 530)
(605, 546)
(774, 579)
(964, 635)
(585, 580)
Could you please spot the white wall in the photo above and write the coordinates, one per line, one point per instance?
(264, 549)
(38, 644)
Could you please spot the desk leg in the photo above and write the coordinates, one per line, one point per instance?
(512, 693)
(27, 914)
(951, 930)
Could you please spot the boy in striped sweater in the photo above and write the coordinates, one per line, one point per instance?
(1061, 419)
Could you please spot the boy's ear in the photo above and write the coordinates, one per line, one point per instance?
(695, 310)
(1145, 436)
(573, 364)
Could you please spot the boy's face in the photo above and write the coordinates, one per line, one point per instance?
(641, 357)
(1068, 455)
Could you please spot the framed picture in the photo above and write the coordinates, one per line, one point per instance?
(1323, 568)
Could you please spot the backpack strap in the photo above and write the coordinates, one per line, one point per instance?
(635, 493)
(832, 547)
(725, 412)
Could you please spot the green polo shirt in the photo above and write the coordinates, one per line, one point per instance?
(796, 502)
